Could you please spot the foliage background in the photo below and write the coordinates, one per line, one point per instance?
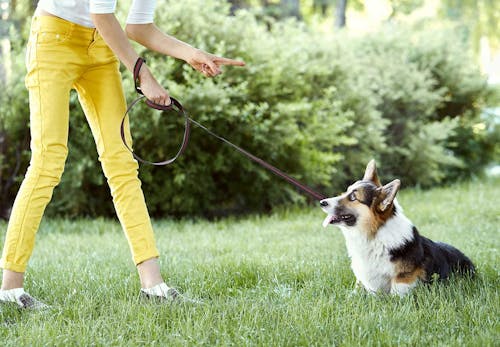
(317, 106)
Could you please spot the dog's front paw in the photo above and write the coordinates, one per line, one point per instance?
(402, 289)
(358, 290)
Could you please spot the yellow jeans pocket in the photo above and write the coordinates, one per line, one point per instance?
(51, 37)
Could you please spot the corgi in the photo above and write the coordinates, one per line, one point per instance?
(387, 252)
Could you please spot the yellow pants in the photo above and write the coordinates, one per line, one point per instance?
(61, 56)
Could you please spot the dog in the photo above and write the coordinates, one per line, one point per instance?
(387, 252)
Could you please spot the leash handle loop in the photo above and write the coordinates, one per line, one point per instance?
(137, 86)
(185, 139)
(174, 105)
(137, 68)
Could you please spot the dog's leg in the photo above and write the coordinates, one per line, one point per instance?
(358, 289)
(402, 288)
(405, 281)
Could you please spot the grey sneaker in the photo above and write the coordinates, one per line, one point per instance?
(163, 293)
(22, 299)
(171, 295)
(26, 301)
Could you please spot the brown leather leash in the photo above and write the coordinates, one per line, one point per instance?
(176, 106)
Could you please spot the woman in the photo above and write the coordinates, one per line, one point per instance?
(79, 44)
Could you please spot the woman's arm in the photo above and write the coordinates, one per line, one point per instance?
(151, 37)
(113, 34)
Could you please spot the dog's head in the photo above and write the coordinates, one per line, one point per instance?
(366, 204)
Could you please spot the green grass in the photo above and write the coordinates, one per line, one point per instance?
(279, 280)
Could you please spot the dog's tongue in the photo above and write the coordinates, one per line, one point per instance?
(328, 220)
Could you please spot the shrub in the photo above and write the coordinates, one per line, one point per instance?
(290, 106)
(316, 107)
(416, 76)
(14, 134)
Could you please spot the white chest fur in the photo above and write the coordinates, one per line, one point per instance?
(370, 258)
(370, 261)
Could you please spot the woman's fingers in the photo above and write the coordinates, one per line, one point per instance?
(152, 89)
(210, 68)
(163, 100)
(204, 70)
(157, 94)
(209, 64)
(161, 97)
(227, 61)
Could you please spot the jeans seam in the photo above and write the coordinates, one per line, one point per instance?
(151, 248)
(20, 239)
(21, 233)
(90, 102)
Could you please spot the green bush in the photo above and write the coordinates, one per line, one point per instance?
(14, 135)
(316, 107)
(417, 77)
(293, 105)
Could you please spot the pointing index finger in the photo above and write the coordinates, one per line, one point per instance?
(226, 61)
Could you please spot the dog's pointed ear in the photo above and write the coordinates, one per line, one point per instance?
(387, 194)
(371, 173)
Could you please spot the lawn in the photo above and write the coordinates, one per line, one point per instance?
(278, 280)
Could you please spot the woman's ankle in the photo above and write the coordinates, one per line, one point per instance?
(149, 273)
(12, 280)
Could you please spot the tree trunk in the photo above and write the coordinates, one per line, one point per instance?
(237, 5)
(340, 10)
(292, 8)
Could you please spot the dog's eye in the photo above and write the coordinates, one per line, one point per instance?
(352, 197)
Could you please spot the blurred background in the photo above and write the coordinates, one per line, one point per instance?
(329, 84)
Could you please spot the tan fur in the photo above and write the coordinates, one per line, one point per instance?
(395, 260)
(408, 273)
(371, 173)
(380, 217)
(365, 215)
(372, 218)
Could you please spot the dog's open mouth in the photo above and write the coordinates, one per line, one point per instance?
(333, 219)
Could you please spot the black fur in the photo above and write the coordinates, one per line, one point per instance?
(341, 210)
(369, 193)
(411, 251)
(434, 257)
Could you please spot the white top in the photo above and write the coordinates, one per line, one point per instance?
(78, 11)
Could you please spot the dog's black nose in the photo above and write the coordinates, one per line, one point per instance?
(323, 203)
